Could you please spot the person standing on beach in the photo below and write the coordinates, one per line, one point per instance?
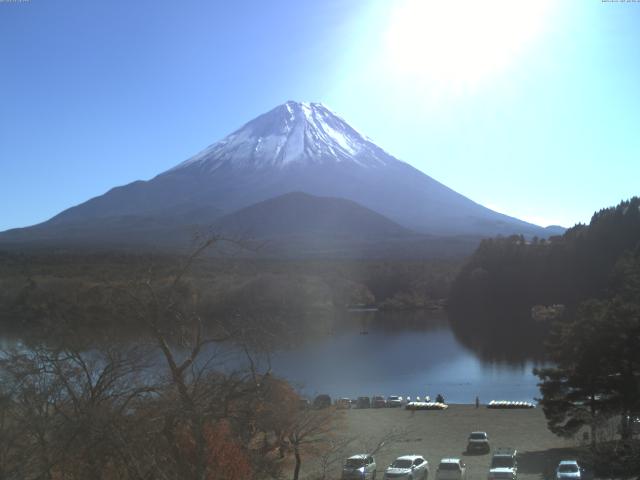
(477, 401)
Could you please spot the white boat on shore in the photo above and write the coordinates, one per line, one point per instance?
(426, 406)
(508, 404)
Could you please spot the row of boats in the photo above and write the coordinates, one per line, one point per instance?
(509, 404)
(426, 406)
(506, 404)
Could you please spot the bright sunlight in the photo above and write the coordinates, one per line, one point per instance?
(456, 44)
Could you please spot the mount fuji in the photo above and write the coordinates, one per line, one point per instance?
(296, 147)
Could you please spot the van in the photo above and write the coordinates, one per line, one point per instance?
(504, 464)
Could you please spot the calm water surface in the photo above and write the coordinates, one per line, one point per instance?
(402, 354)
(413, 354)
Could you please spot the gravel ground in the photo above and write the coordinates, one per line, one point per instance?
(439, 434)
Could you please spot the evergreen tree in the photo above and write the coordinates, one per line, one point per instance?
(597, 359)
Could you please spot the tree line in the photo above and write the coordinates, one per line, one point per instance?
(192, 398)
(593, 385)
(507, 276)
(299, 290)
(579, 295)
(81, 412)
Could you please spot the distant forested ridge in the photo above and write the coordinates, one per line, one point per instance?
(507, 276)
(75, 291)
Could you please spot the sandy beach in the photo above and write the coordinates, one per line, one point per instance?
(439, 434)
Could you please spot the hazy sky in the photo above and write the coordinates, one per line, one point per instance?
(530, 108)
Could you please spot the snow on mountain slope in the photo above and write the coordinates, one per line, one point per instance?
(295, 132)
(295, 147)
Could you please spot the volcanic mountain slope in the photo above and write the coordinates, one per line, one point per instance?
(303, 215)
(296, 147)
(299, 225)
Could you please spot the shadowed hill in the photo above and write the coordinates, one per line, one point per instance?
(301, 214)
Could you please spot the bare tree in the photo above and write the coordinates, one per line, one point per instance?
(68, 411)
(332, 456)
(199, 395)
(308, 432)
(374, 446)
(75, 413)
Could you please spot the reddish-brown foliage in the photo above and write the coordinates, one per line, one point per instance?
(226, 457)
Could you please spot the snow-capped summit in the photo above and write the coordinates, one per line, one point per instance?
(294, 132)
(296, 147)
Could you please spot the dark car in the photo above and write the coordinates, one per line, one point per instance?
(322, 401)
(363, 402)
(378, 401)
(478, 442)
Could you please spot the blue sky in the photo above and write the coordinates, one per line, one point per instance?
(534, 112)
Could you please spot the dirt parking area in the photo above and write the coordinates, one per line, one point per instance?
(439, 434)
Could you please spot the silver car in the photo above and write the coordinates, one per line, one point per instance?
(478, 442)
(569, 470)
(504, 464)
(451, 469)
(408, 467)
(360, 466)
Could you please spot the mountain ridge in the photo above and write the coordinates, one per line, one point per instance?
(295, 147)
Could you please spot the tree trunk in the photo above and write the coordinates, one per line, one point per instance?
(592, 406)
(296, 471)
(201, 455)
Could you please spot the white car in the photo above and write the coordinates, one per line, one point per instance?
(504, 464)
(361, 466)
(569, 470)
(394, 401)
(408, 467)
(451, 469)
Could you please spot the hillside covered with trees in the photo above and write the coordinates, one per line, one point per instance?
(75, 291)
(507, 277)
(593, 385)
(578, 295)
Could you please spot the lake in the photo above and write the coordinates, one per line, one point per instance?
(402, 354)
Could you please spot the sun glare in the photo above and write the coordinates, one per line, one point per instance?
(456, 44)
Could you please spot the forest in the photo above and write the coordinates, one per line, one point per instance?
(576, 299)
(516, 286)
(59, 292)
(192, 397)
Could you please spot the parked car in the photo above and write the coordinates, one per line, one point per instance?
(569, 469)
(303, 404)
(394, 401)
(631, 424)
(343, 403)
(451, 469)
(361, 466)
(504, 464)
(378, 401)
(635, 425)
(363, 402)
(322, 401)
(408, 467)
(478, 442)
